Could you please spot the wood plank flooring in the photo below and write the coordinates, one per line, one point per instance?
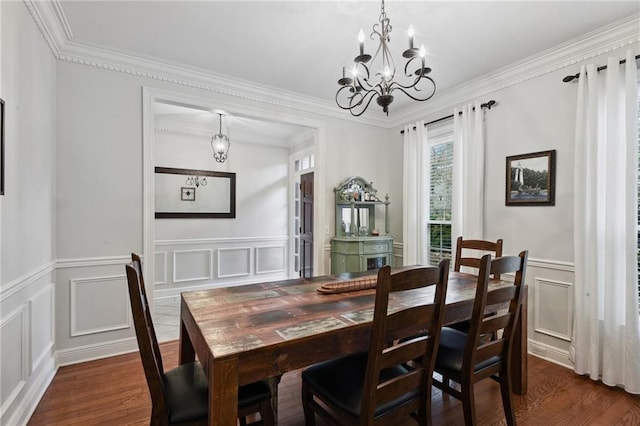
(113, 391)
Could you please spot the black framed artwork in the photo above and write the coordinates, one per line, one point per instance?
(531, 179)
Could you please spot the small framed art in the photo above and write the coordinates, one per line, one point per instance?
(188, 193)
(531, 179)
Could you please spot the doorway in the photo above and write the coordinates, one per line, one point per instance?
(306, 225)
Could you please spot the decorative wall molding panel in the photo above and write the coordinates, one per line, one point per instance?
(14, 327)
(553, 308)
(234, 262)
(192, 265)
(160, 267)
(41, 310)
(98, 305)
(270, 259)
(88, 262)
(214, 262)
(20, 283)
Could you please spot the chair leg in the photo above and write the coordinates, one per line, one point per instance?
(307, 401)
(507, 403)
(468, 403)
(266, 414)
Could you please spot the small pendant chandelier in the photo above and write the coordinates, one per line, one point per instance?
(356, 92)
(220, 144)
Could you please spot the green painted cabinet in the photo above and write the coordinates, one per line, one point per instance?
(358, 245)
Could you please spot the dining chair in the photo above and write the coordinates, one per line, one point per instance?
(466, 358)
(391, 381)
(478, 245)
(180, 396)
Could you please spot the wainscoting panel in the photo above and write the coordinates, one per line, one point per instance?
(270, 259)
(234, 262)
(215, 262)
(41, 308)
(14, 355)
(160, 267)
(554, 308)
(192, 265)
(99, 305)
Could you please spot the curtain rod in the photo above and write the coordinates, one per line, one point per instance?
(570, 78)
(487, 105)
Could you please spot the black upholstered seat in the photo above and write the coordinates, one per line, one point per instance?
(467, 358)
(181, 395)
(377, 386)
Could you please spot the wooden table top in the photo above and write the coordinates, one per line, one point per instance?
(239, 320)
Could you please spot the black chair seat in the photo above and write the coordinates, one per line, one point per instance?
(187, 393)
(339, 381)
(451, 352)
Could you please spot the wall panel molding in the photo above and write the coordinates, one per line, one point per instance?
(553, 308)
(42, 312)
(234, 262)
(87, 262)
(25, 280)
(187, 262)
(15, 325)
(214, 241)
(160, 276)
(273, 259)
(87, 322)
(96, 351)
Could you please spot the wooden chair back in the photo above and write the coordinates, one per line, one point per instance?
(147, 341)
(481, 245)
(479, 351)
(417, 329)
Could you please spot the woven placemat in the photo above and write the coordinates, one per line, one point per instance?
(349, 285)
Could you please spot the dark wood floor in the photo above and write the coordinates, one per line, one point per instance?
(113, 391)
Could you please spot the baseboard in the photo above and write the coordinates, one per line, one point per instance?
(550, 353)
(97, 351)
(40, 381)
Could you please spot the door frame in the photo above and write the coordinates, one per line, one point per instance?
(267, 112)
(294, 179)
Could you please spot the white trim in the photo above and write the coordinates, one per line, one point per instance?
(550, 353)
(33, 365)
(95, 351)
(25, 280)
(246, 249)
(73, 283)
(175, 292)
(184, 280)
(569, 320)
(555, 265)
(22, 312)
(284, 259)
(164, 272)
(212, 241)
(87, 262)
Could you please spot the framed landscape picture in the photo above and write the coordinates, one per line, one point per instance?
(531, 180)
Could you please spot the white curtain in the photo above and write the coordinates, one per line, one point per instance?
(415, 194)
(468, 173)
(606, 331)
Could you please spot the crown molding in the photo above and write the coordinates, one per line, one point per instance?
(617, 35)
(51, 21)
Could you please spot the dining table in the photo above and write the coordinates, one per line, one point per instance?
(246, 333)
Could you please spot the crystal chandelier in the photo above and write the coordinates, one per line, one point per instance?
(356, 92)
(220, 144)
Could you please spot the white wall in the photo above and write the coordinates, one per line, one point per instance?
(100, 200)
(537, 114)
(27, 216)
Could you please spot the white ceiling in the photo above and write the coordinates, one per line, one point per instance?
(301, 46)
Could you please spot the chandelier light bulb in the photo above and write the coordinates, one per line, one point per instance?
(423, 52)
(410, 32)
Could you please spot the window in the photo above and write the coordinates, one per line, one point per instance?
(440, 192)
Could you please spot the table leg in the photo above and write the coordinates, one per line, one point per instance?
(519, 350)
(187, 353)
(223, 392)
(273, 385)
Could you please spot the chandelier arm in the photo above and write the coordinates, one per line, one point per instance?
(402, 89)
(358, 114)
